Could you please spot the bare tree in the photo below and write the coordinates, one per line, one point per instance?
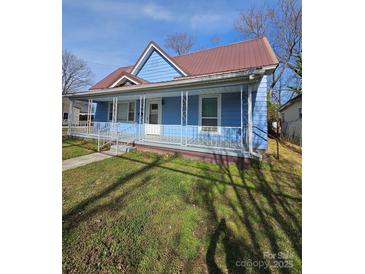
(180, 42)
(252, 22)
(75, 73)
(283, 24)
(287, 34)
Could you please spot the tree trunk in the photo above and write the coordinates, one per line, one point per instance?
(277, 138)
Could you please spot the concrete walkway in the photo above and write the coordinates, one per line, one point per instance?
(83, 160)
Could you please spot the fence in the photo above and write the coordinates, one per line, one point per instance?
(191, 135)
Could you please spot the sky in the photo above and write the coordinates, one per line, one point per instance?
(109, 34)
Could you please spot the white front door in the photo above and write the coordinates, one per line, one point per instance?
(153, 117)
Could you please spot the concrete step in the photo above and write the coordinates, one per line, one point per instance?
(120, 150)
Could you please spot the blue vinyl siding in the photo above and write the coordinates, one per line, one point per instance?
(156, 69)
(259, 108)
(101, 112)
(230, 112)
(231, 109)
(193, 110)
(171, 111)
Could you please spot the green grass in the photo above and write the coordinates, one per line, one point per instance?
(64, 132)
(147, 213)
(72, 147)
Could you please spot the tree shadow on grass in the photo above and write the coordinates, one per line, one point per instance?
(249, 209)
(232, 249)
(281, 212)
(79, 212)
(208, 174)
(267, 209)
(236, 250)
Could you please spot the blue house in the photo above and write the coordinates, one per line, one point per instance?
(202, 104)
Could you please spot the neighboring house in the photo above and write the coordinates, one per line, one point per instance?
(291, 119)
(206, 103)
(80, 111)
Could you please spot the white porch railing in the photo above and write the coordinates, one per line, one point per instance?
(187, 136)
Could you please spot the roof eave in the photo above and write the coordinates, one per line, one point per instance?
(247, 75)
(290, 102)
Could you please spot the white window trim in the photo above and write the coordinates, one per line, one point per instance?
(219, 112)
(110, 106)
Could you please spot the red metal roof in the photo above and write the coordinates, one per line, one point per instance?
(253, 53)
(111, 78)
(238, 56)
(135, 78)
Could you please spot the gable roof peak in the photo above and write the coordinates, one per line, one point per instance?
(238, 56)
(152, 45)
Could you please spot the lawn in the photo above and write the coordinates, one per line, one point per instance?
(72, 147)
(147, 213)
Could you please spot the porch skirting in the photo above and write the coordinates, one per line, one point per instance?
(202, 154)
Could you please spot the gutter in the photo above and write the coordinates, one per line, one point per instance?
(209, 79)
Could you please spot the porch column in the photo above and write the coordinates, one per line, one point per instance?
(184, 117)
(70, 117)
(89, 110)
(144, 110)
(241, 107)
(142, 102)
(181, 117)
(249, 118)
(115, 110)
(139, 117)
(142, 107)
(114, 115)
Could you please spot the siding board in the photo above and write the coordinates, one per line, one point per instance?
(259, 101)
(157, 69)
(101, 112)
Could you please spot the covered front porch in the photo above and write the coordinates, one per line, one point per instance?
(215, 119)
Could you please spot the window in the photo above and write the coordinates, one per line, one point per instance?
(125, 111)
(131, 111)
(110, 112)
(209, 110)
(65, 116)
(300, 113)
(122, 110)
(283, 117)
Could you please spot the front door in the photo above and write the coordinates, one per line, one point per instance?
(153, 119)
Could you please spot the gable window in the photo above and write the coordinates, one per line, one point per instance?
(209, 112)
(125, 112)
